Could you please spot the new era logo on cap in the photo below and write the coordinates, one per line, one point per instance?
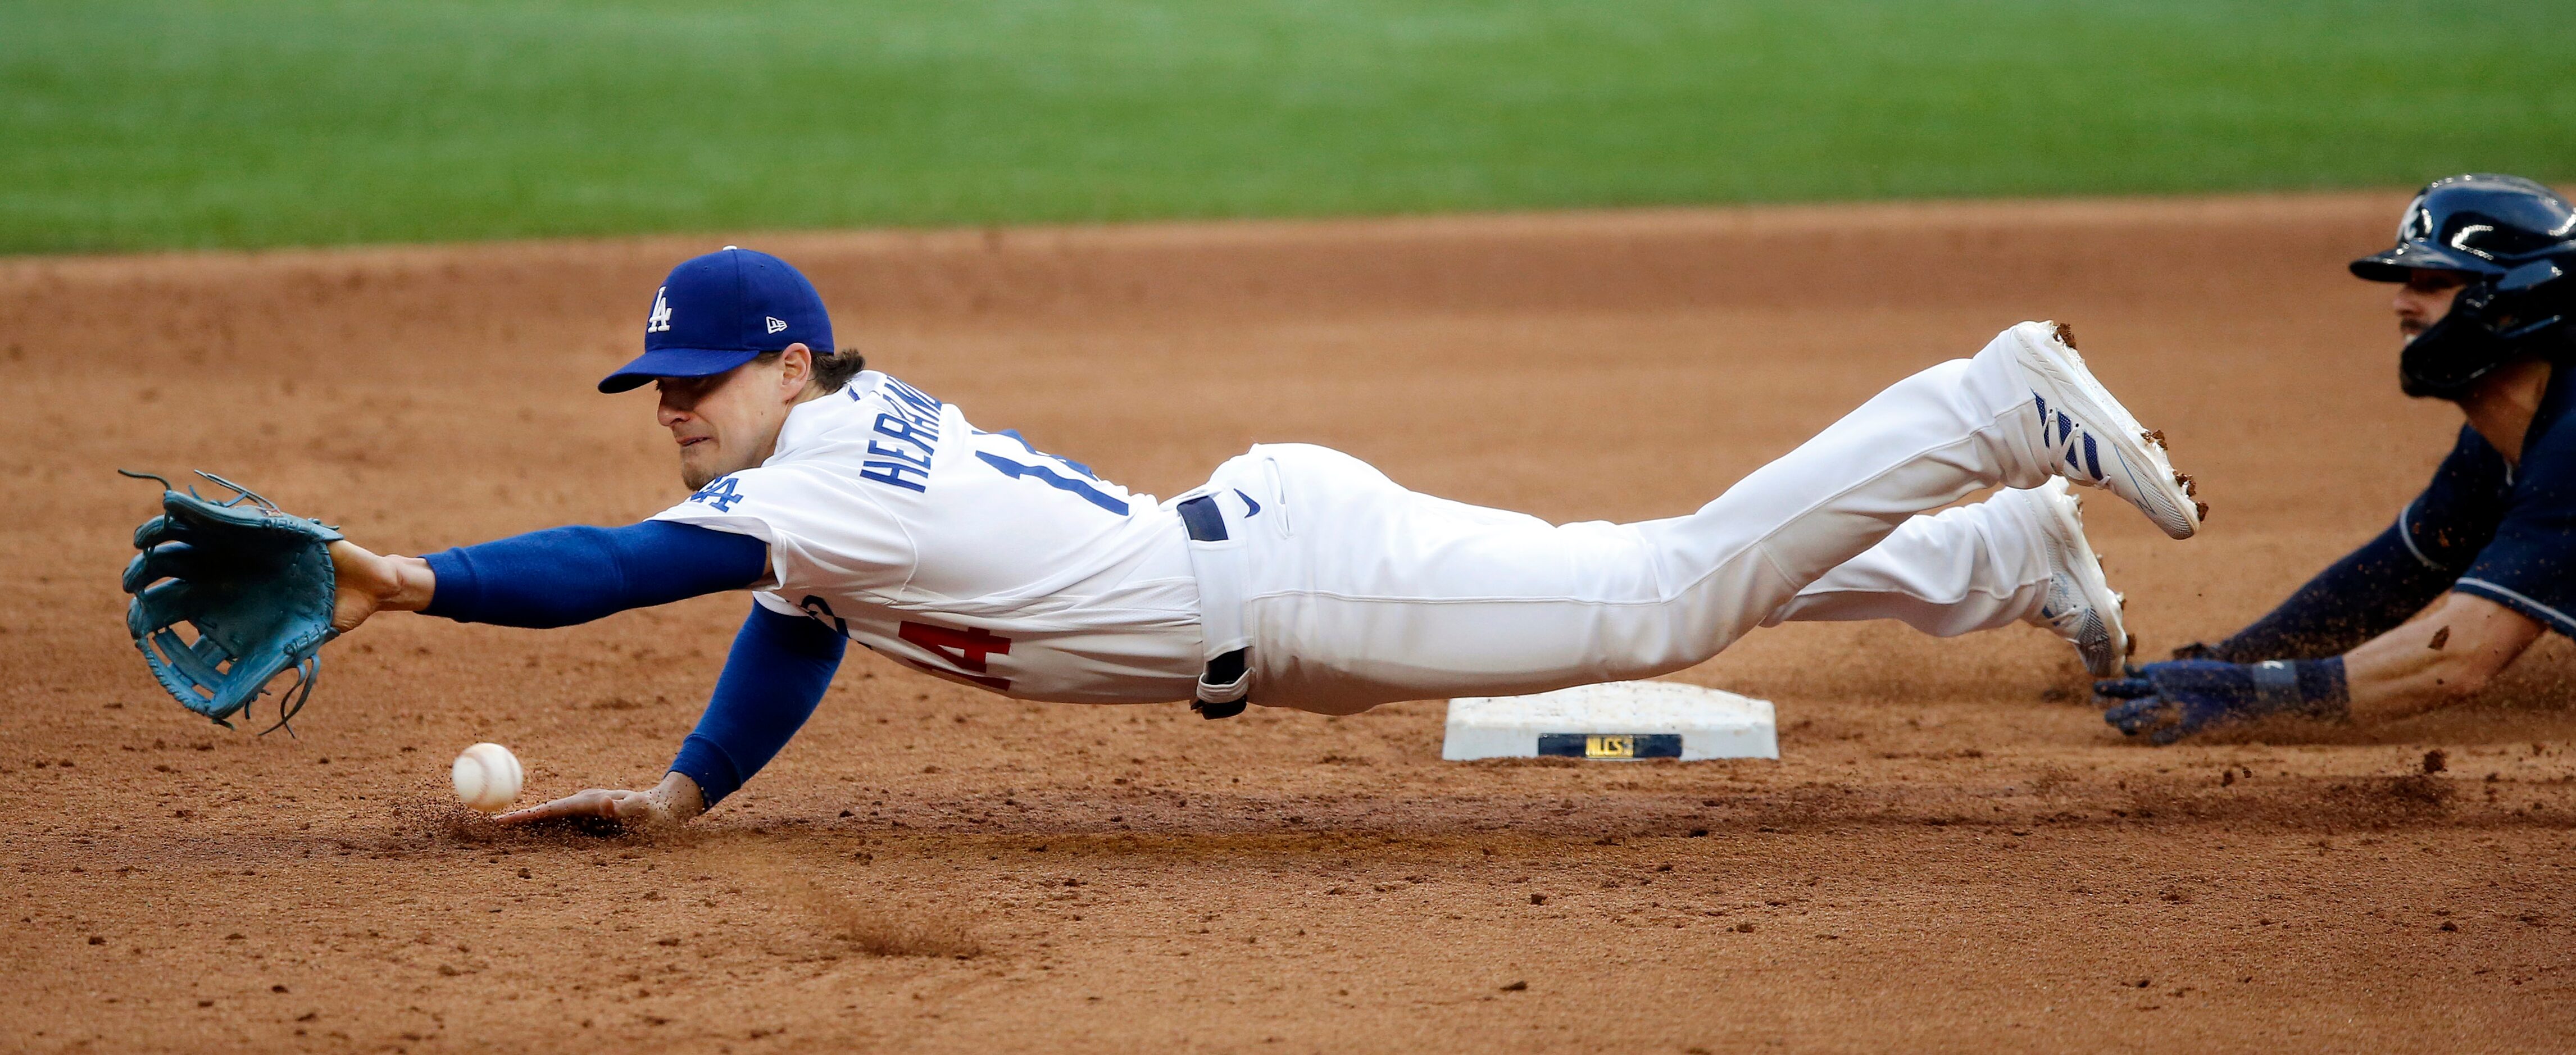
(721, 310)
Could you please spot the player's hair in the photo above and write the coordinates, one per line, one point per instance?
(832, 370)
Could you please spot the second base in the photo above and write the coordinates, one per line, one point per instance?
(1620, 720)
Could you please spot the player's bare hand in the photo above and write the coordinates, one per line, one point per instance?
(366, 583)
(673, 802)
(616, 804)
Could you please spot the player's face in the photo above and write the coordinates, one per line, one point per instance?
(2424, 299)
(727, 422)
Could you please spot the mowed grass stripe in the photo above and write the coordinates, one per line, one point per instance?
(130, 125)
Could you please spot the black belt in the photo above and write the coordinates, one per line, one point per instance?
(1206, 524)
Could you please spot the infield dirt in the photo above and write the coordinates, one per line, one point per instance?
(1953, 852)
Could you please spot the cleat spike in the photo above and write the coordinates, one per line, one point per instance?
(2065, 335)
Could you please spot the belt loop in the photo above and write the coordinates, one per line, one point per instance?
(1217, 561)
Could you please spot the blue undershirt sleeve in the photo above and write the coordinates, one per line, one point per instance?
(567, 575)
(777, 672)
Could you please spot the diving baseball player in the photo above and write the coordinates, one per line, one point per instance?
(856, 507)
(2476, 567)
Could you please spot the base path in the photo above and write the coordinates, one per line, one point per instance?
(1953, 852)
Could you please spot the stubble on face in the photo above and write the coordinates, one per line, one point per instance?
(2424, 299)
(693, 475)
(704, 461)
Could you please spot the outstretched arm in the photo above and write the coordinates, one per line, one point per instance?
(2365, 594)
(556, 577)
(2390, 578)
(776, 674)
(2440, 659)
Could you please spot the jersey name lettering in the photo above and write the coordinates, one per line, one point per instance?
(914, 428)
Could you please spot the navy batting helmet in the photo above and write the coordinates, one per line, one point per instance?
(2480, 223)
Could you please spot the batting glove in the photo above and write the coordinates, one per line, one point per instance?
(2176, 698)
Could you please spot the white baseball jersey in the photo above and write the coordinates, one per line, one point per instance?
(968, 554)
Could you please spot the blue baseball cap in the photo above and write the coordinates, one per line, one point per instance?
(722, 310)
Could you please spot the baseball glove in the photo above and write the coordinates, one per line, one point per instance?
(253, 584)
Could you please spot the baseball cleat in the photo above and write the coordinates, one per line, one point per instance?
(2088, 438)
(2081, 606)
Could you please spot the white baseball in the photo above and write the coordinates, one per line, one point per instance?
(488, 777)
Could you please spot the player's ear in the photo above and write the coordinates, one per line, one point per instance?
(796, 367)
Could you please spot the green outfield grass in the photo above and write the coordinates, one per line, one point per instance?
(132, 125)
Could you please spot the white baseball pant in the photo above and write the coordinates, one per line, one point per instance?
(1357, 592)
(1974, 567)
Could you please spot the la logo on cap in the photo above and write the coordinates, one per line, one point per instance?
(660, 320)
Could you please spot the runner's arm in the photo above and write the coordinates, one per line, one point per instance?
(2444, 657)
(2392, 577)
(2366, 594)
